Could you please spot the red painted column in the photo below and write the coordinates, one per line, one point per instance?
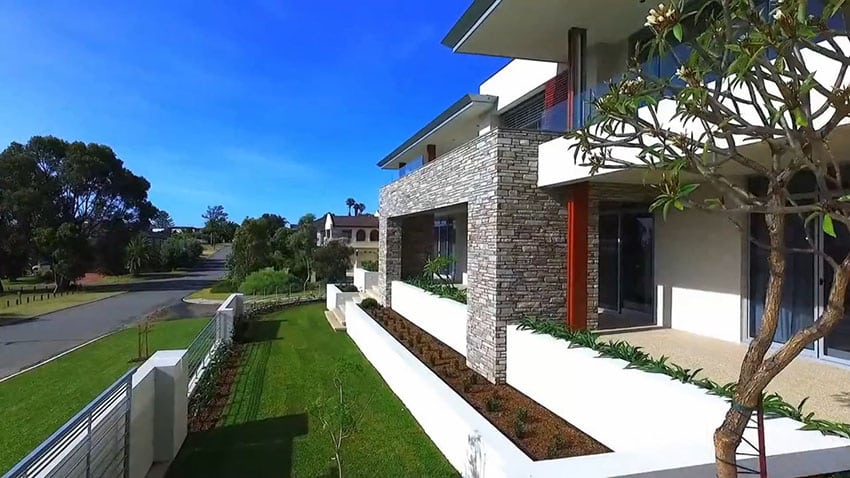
(577, 219)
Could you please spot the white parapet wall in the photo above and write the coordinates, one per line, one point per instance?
(365, 280)
(653, 424)
(445, 319)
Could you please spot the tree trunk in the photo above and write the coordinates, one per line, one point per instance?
(728, 436)
(726, 441)
(62, 284)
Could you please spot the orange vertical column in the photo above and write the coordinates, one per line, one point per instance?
(577, 220)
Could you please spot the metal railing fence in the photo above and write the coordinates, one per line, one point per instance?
(94, 443)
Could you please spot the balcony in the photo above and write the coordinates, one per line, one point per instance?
(557, 162)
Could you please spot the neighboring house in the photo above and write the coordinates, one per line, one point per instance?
(492, 182)
(359, 232)
(176, 229)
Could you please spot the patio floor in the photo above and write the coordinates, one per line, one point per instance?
(827, 385)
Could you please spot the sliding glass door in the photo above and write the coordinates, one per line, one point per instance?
(626, 280)
(807, 283)
(837, 343)
(798, 294)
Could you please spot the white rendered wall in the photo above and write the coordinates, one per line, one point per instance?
(517, 79)
(365, 280)
(330, 296)
(618, 406)
(698, 273)
(445, 319)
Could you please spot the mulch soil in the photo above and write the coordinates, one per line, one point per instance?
(531, 427)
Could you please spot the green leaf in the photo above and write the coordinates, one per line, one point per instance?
(800, 118)
(678, 31)
(828, 226)
(687, 189)
(678, 204)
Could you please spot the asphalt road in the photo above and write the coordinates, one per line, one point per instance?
(28, 343)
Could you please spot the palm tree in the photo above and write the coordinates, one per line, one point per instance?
(139, 254)
(350, 202)
(359, 209)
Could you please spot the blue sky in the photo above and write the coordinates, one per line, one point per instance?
(258, 105)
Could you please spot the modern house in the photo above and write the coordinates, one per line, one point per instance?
(360, 232)
(492, 182)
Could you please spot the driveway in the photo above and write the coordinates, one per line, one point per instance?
(27, 343)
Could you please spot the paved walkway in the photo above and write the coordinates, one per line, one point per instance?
(827, 385)
(27, 343)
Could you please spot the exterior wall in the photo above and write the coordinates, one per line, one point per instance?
(699, 290)
(364, 254)
(517, 79)
(516, 245)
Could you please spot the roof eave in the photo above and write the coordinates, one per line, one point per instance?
(452, 111)
(468, 22)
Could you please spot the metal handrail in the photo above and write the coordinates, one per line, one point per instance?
(81, 426)
(200, 346)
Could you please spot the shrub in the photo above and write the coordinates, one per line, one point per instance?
(267, 282)
(225, 286)
(559, 442)
(520, 428)
(181, 251)
(522, 415)
(494, 404)
(371, 266)
(370, 304)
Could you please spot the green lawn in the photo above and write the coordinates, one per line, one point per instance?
(36, 403)
(268, 431)
(145, 276)
(41, 307)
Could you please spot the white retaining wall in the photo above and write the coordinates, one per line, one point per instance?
(470, 443)
(650, 421)
(445, 319)
(365, 280)
(657, 427)
(336, 299)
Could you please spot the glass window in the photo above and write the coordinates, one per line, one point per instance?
(373, 236)
(361, 235)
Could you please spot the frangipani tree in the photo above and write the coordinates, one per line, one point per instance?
(761, 90)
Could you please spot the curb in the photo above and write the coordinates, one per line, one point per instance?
(187, 300)
(29, 319)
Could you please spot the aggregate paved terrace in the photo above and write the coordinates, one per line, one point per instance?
(827, 385)
(28, 343)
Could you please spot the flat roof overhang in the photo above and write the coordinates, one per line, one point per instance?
(456, 125)
(538, 30)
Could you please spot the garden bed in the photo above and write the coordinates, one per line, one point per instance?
(209, 401)
(538, 432)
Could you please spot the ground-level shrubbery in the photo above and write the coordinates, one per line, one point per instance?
(268, 282)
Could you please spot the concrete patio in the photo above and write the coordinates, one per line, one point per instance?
(827, 385)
